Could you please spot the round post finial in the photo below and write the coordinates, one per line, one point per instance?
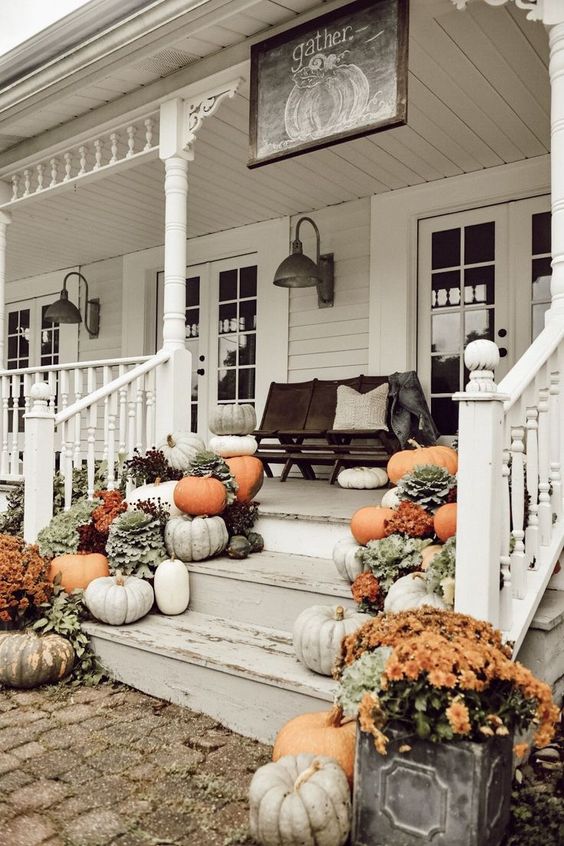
(481, 358)
(41, 393)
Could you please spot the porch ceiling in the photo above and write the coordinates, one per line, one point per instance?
(479, 96)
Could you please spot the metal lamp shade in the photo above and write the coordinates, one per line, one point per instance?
(63, 311)
(297, 271)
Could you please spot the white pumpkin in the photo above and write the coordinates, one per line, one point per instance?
(195, 539)
(390, 499)
(159, 490)
(346, 558)
(180, 448)
(301, 800)
(362, 478)
(411, 592)
(172, 586)
(230, 446)
(233, 419)
(118, 599)
(319, 632)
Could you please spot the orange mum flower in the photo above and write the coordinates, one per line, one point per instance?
(458, 716)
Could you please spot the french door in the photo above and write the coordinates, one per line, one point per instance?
(483, 273)
(221, 329)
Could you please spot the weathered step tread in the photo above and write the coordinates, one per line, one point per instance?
(296, 572)
(313, 500)
(253, 652)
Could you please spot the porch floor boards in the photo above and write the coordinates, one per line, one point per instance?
(304, 499)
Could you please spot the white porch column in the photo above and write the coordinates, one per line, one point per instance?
(556, 71)
(5, 219)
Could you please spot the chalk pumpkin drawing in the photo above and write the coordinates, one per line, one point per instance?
(327, 95)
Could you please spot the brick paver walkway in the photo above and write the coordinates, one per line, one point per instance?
(109, 766)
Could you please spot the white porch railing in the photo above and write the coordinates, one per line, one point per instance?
(510, 529)
(107, 425)
(68, 383)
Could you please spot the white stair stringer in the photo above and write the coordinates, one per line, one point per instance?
(245, 676)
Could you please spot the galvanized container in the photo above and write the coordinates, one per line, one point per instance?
(444, 794)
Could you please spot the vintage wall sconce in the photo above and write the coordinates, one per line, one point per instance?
(63, 311)
(299, 271)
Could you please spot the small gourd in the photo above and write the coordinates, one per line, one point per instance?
(239, 547)
(163, 491)
(233, 419)
(362, 478)
(119, 599)
(347, 560)
(256, 540)
(195, 539)
(180, 448)
(305, 797)
(229, 446)
(319, 632)
(172, 587)
(28, 660)
(411, 592)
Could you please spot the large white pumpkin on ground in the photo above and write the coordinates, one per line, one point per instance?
(411, 592)
(346, 557)
(301, 800)
(172, 586)
(179, 449)
(230, 446)
(119, 599)
(362, 478)
(158, 490)
(195, 539)
(233, 419)
(319, 632)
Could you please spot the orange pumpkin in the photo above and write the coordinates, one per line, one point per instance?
(407, 459)
(78, 570)
(200, 496)
(368, 523)
(429, 553)
(445, 521)
(321, 733)
(249, 475)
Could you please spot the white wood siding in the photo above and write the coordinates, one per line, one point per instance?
(104, 281)
(332, 343)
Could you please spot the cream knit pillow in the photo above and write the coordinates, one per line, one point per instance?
(361, 411)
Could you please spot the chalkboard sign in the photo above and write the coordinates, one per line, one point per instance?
(337, 77)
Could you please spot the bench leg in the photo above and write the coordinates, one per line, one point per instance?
(286, 470)
(336, 470)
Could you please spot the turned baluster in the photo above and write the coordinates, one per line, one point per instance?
(518, 559)
(27, 382)
(532, 478)
(545, 509)
(149, 124)
(82, 150)
(78, 388)
(68, 166)
(131, 131)
(40, 168)
(114, 140)
(52, 382)
(506, 598)
(15, 186)
(66, 460)
(92, 413)
(130, 419)
(98, 150)
(555, 434)
(54, 172)
(4, 459)
(27, 182)
(123, 415)
(15, 453)
(106, 379)
(140, 409)
(64, 388)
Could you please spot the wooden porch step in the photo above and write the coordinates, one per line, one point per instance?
(245, 676)
(268, 588)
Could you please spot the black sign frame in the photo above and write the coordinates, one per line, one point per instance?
(315, 82)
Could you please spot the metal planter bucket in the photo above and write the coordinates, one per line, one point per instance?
(444, 794)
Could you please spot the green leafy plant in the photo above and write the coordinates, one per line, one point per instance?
(61, 535)
(360, 677)
(135, 544)
(11, 521)
(440, 572)
(207, 463)
(392, 557)
(428, 485)
(63, 614)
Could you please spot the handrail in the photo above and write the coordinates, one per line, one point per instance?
(115, 385)
(533, 359)
(75, 365)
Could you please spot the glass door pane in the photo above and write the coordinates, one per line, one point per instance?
(236, 330)
(541, 270)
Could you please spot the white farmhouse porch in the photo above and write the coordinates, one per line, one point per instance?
(92, 193)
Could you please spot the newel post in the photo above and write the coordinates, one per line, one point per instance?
(480, 486)
(39, 460)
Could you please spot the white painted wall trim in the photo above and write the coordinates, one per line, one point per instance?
(393, 248)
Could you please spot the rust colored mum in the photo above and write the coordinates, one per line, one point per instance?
(24, 584)
(91, 540)
(412, 520)
(367, 593)
(112, 506)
